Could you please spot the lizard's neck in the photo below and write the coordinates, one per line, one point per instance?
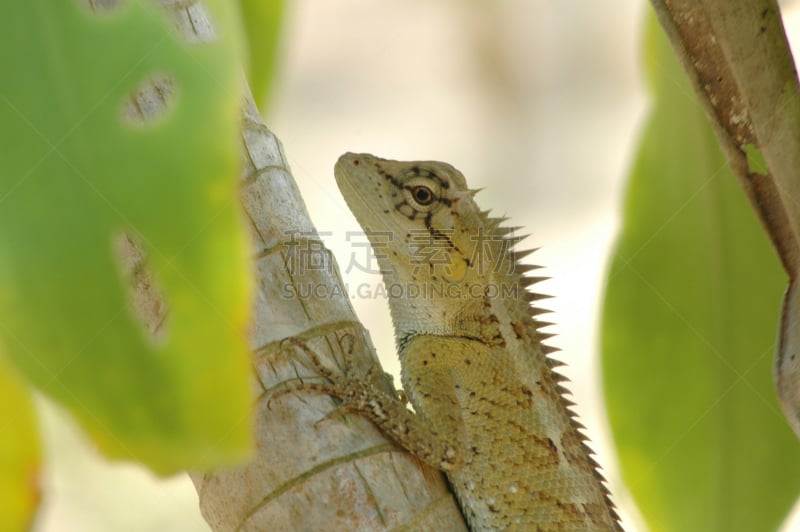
(480, 292)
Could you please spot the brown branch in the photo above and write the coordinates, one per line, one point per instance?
(737, 56)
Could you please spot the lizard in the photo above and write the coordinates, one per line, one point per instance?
(489, 409)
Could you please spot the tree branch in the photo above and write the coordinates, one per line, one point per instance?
(737, 56)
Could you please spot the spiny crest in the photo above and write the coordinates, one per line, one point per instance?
(513, 258)
(520, 270)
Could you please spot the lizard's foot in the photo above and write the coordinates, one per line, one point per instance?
(358, 394)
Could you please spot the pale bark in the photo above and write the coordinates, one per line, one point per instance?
(307, 473)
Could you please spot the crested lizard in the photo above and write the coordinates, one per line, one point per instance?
(489, 409)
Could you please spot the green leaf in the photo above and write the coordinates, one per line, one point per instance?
(20, 452)
(262, 24)
(688, 334)
(756, 163)
(73, 177)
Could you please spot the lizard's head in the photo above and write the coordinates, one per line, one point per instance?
(427, 234)
(419, 216)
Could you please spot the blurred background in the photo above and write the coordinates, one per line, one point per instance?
(538, 102)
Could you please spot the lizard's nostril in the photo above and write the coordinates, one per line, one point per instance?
(355, 162)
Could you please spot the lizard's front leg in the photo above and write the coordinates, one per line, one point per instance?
(440, 445)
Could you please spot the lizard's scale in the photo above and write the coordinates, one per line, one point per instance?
(490, 410)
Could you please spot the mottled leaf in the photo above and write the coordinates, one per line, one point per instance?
(76, 173)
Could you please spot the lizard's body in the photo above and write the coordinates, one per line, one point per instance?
(489, 408)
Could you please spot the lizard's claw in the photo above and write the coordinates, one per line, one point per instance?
(353, 391)
(312, 356)
(301, 386)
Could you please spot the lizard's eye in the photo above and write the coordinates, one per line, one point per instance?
(422, 195)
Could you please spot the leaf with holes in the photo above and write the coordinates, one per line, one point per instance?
(78, 173)
(688, 334)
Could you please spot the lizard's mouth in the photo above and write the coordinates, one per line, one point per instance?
(353, 168)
